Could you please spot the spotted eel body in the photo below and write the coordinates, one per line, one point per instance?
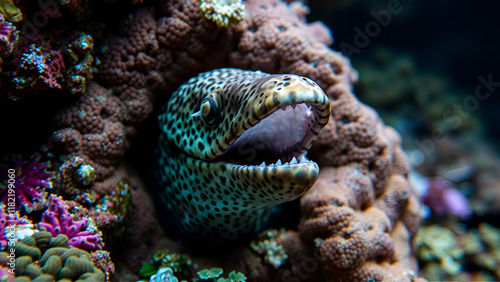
(233, 147)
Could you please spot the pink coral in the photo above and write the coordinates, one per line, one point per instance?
(39, 69)
(8, 36)
(57, 220)
(31, 177)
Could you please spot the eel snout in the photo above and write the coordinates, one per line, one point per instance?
(286, 117)
(233, 148)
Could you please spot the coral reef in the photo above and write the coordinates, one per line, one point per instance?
(76, 177)
(164, 262)
(223, 12)
(45, 61)
(266, 245)
(362, 231)
(39, 69)
(437, 248)
(93, 130)
(83, 64)
(164, 274)
(454, 253)
(80, 233)
(102, 260)
(30, 179)
(111, 213)
(42, 257)
(363, 200)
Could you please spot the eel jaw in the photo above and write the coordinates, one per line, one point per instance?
(279, 125)
(282, 138)
(276, 147)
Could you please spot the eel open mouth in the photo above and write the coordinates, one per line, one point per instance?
(281, 138)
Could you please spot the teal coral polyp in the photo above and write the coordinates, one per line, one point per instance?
(223, 12)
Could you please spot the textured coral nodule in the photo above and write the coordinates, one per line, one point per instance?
(223, 12)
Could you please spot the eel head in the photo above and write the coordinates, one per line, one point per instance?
(252, 121)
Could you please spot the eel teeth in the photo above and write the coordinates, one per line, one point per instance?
(278, 162)
(309, 112)
(293, 161)
(263, 164)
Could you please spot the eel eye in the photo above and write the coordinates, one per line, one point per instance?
(209, 111)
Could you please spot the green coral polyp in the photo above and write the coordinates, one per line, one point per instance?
(210, 273)
(223, 12)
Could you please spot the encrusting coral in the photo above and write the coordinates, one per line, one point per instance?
(81, 233)
(364, 231)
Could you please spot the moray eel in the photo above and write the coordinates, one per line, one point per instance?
(232, 148)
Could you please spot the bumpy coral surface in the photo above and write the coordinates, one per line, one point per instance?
(42, 257)
(223, 12)
(93, 129)
(157, 49)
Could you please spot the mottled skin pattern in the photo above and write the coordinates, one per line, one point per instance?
(217, 188)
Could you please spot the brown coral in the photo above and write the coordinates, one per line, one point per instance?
(362, 231)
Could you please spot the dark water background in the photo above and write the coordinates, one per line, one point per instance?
(459, 40)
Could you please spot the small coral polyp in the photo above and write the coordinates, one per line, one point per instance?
(76, 178)
(57, 220)
(223, 12)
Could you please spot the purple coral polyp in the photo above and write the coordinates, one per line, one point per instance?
(57, 220)
(31, 178)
